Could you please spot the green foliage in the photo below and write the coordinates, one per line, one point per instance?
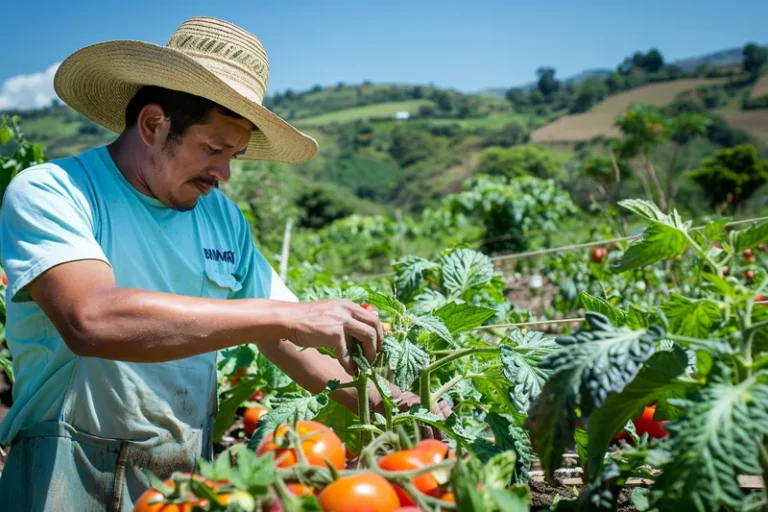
(731, 176)
(754, 58)
(25, 155)
(518, 161)
(522, 359)
(511, 210)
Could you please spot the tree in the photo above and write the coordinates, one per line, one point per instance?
(754, 57)
(411, 145)
(590, 92)
(517, 97)
(518, 161)
(547, 83)
(652, 61)
(683, 129)
(731, 176)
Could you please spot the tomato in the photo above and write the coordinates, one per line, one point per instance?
(725, 270)
(241, 498)
(257, 396)
(318, 442)
(405, 460)
(5, 279)
(367, 306)
(449, 497)
(299, 490)
(747, 254)
(235, 379)
(437, 449)
(364, 492)
(143, 503)
(761, 298)
(408, 509)
(598, 254)
(251, 418)
(645, 424)
(749, 275)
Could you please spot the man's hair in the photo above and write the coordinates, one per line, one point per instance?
(182, 108)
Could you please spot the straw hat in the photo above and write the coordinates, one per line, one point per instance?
(206, 57)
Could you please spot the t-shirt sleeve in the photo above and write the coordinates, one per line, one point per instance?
(46, 220)
(257, 277)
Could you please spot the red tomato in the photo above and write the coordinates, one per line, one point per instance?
(598, 254)
(437, 449)
(725, 270)
(257, 396)
(235, 379)
(645, 424)
(318, 442)
(411, 459)
(364, 492)
(761, 298)
(367, 306)
(749, 275)
(251, 418)
(747, 253)
(408, 509)
(5, 279)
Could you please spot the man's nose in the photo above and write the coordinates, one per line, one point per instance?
(222, 172)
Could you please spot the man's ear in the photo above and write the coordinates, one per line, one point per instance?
(153, 125)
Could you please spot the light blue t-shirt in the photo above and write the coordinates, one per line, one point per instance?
(83, 208)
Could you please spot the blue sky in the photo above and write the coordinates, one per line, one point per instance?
(464, 45)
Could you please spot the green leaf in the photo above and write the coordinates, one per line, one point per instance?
(7, 365)
(511, 500)
(302, 405)
(604, 307)
(721, 285)
(717, 439)
(464, 485)
(409, 275)
(660, 241)
(254, 471)
(498, 471)
(225, 417)
(275, 377)
(522, 365)
(639, 498)
(386, 303)
(244, 356)
(599, 359)
(752, 236)
(433, 325)
(637, 318)
(464, 269)
(5, 135)
(581, 438)
(428, 301)
(643, 208)
(656, 381)
(406, 359)
(463, 317)
(688, 317)
(715, 231)
(509, 436)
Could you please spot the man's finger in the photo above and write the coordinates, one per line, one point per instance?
(342, 354)
(370, 317)
(366, 335)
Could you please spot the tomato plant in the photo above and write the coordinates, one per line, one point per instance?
(251, 418)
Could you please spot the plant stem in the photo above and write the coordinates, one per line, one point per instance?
(363, 407)
(424, 394)
(717, 268)
(671, 192)
(652, 173)
(443, 389)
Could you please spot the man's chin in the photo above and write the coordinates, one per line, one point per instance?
(182, 206)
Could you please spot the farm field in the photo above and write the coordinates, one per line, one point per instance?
(381, 110)
(599, 120)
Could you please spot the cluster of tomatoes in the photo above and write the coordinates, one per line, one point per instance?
(645, 424)
(360, 492)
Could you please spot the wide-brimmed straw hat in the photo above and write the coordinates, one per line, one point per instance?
(206, 57)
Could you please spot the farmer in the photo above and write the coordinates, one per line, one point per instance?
(128, 269)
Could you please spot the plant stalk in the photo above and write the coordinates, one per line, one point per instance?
(363, 406)
(425, 395)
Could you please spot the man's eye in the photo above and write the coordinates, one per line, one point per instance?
(213, 150)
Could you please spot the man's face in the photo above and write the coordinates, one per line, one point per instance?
(182, 169)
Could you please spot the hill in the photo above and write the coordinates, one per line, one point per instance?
(599, 120)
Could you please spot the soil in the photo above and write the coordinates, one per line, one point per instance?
(519, 293)
(542, 496)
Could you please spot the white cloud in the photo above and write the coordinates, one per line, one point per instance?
(28, 91)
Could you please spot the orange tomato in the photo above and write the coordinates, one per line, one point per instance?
(251, 418)
(318, 442)
(449, 497)
(143, 504)
(405, 460)
(5, 279)
(299, 489)
(364, 492)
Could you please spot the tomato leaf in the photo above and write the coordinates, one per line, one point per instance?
(409, 275)
(715, 441)
(688, 317)
(275, 377)
(464, 485)
(498, 471)
(752, 236)
(643, 208)
(599, 359)
(660, 241)
(386, 303)
(522, 365)
(656, 381)
(463, 317)
(428, 301)
(406, 359)
(509, 436)
(301, 405)
(715, 231)
(720, 284)
(464, 269)
(513, 499)
(433, 325)
(598, 305)
(253, 471)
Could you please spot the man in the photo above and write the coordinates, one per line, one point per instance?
(128, 270)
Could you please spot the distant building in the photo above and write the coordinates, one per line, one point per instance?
(402, 115)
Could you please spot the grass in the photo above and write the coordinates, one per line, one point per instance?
(761, 87)
(368, 112)
(494, 121)
(599, 120)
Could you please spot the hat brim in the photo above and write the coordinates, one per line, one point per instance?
(99, 80)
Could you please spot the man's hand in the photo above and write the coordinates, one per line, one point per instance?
(335, 324)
